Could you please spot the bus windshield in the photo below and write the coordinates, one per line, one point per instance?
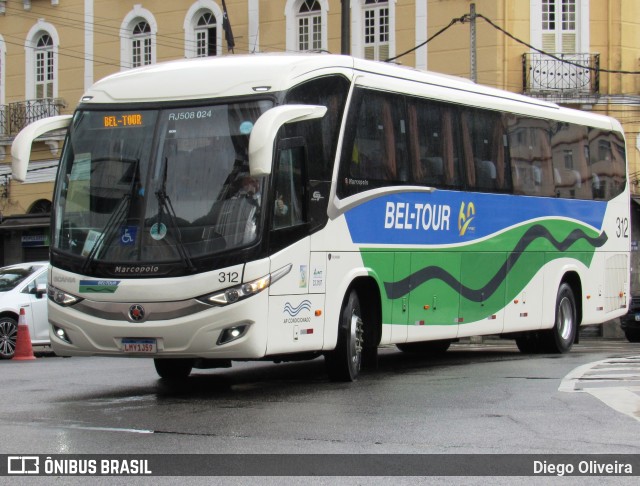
(159, 185)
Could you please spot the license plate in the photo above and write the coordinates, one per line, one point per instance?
(139, 345)
(637, 317)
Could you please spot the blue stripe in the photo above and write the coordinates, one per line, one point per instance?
(439, 218)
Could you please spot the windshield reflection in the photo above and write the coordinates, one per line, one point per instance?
(119, 200)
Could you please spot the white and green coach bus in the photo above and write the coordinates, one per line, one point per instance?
(283, 207)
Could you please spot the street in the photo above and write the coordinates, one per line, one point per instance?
(477, 398)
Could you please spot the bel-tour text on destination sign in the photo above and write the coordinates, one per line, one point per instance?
(590, 467)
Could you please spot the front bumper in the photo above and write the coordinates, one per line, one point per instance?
(185, 329)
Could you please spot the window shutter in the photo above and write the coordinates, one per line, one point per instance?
(549, 42)
(569, 43)
(384, 52)
(369, 52)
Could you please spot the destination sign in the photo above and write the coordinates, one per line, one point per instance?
(124, 120)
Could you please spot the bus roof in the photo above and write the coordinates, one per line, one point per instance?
(237, 75)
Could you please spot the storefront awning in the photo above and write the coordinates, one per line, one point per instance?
(25, 223)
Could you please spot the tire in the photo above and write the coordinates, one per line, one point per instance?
(528, 343)
(173, 369)
(344, 363)
(561, 336)
(429, 348)
(632, 335)
(8, 334)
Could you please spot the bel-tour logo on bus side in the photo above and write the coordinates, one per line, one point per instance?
(466, 217)
(427, 217)
(417, 216)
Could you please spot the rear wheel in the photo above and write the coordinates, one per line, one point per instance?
(173, 369)
(560, 337)
(8, 334)
(528, 342)
(344, 363)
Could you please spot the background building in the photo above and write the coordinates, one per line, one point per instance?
(582, 53)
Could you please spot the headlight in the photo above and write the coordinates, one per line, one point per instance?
(60, 297)
(245, 290)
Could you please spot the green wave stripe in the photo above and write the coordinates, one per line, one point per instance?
(482, 277)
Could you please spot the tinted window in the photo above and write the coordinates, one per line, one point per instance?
(531, 160)
(607, 163)
(486, 151)
(320, 135)
(374, 152)
(432, 140)
(397, 139)
(570, 151)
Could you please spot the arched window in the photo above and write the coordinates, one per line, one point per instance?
(309, 26)
(41, 206)
(306, 25)
(203, 29)
(206, 35)
(44, 66)
(141, 46)
(41, 61)
(138, 38)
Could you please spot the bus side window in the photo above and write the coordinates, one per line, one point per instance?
(606, 160)
(485, 150)
(288, 209)
(431, 143)
(374, 151)
(570, 168)
(530, 156)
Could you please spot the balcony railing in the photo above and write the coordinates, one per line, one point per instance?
(570, 76)
(15, 116)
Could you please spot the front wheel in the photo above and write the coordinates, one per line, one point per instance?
(344, 362)
(561, 336)
(8, 334)
(173, 369)
(632, 335)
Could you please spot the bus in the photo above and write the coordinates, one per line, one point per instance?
(289, 206)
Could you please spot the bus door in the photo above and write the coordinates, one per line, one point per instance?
(434, 297)
(296, 316)
(482, 293)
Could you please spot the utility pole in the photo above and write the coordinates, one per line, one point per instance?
(345, 28)
(472, 42)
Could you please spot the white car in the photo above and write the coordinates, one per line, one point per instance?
(23, 286)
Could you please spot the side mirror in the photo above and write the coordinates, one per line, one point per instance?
(266, 128)
(41, 290)
(21, 146)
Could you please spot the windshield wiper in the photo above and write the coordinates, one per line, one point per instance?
(108, 230)
(164, 202)
(114, 220)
